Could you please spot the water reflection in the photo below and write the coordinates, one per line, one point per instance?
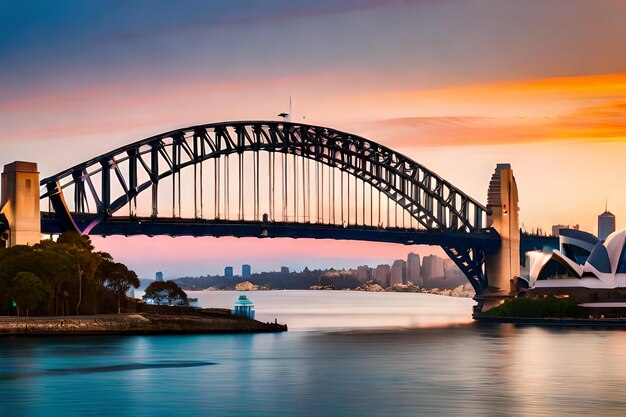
(99, 369)
(457, 369)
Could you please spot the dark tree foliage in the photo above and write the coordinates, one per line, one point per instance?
(70, 275)
(28, 291)
(116, 278)
(165, 293)
(274, 280)
(548, 307)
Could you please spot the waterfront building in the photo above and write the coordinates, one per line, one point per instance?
(284, 270)
(414, 274)
(159, 276)
(576, 244)
(363, 273)
(228, 272)
(596, 283)
(382, 274)
(398, 272)
(246, 271)
(606, 224)
(432, 270)
(244, 307)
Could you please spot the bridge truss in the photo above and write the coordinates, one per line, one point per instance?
(269, 179)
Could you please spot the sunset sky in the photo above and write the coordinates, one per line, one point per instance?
(458, 85)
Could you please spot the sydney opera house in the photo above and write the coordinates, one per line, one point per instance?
(590, 270)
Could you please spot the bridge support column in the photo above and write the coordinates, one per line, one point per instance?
(19, 203)
(504, 265)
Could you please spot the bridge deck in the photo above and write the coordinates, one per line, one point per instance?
(127, 226)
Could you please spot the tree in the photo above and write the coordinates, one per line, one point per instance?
(165, 293)
(72, 273)
(77, 240)
(116, 277)
(70, 266)
(79, 247)
(14, 260)
(28, 291)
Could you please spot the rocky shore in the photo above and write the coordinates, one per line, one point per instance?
(463, 291)
(135, 323)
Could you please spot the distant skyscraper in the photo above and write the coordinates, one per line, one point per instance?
(284, 270)
(413, 269)
(362, 273)
(382, 274)
(228, 272)
(159, 276)
(398, 272)
(452, 274)
(606, 224)
(432, 269)
(245, 271)
(448, 265)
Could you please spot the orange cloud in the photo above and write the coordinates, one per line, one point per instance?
(587, 108)
(603, 85)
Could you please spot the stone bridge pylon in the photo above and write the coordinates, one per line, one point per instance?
(503, 265)
(20, 217)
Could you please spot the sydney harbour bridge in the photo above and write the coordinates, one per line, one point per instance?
(273, 179)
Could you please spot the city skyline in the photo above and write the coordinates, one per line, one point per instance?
(424, 80)
(415, 269)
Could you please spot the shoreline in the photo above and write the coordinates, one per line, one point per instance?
(134, 324)
(436, 291)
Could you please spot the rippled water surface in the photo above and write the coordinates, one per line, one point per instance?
(346, 354)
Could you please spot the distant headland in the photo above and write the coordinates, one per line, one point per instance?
(424, 274)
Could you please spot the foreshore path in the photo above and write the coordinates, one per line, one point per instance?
(134, 323)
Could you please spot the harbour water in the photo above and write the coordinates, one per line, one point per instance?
(346, 354)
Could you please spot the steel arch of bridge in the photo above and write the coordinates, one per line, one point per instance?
(437, 205)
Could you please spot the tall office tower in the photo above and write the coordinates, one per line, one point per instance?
(398, 272)
(363, 273)
(246, 271)
(382, 273)
(432, 270)
(606, 224)
(228, 272)
(159, 276)
(414, 274)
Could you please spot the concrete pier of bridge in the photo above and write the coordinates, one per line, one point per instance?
(503, 266)
(20, 216)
